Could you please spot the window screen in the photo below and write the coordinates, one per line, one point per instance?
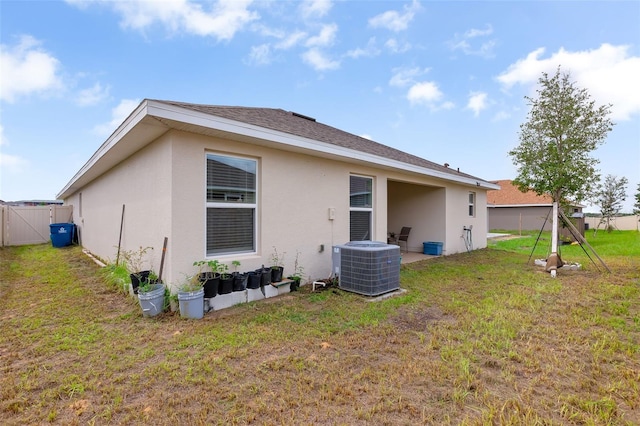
(361, 208)
(231, 205)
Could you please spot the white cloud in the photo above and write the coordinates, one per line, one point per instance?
(220, 20)
(326, 37)
(92, 95)
(403, 77)
(260, 55)
(609, 73)
(315, 8)
(394, 20)
(395, 46)
(369, 51)
(366, 136)
(10, 162)
(319, 61)
(477, 102)
(465, 42)
(27, 69)
(291, 40)
(118, 115)
(426, 92)
(501, 115)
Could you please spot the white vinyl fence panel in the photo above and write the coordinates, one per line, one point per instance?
(23, 225)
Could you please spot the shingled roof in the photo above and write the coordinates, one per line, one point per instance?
(510, 195)
(307, 127)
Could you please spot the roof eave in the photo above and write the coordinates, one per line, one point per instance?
(162, 110)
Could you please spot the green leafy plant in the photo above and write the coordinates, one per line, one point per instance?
(213, 265)
(223, 270)
(145, 285)
(277, 259)
(298, 272)
(190, 284)
(236, 264)
(136, 259)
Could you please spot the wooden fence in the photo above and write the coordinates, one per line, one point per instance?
(21, 225)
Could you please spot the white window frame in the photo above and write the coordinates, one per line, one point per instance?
(221, 204)
(472, 204)
(363, 209)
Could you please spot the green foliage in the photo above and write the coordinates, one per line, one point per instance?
(136, 259)
(636, 205)
(277, 259)
(609, 197)
(563, 127)
(213, 265)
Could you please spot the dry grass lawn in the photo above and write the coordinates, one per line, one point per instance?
(478, 338)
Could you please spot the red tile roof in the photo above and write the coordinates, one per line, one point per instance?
(508, 195)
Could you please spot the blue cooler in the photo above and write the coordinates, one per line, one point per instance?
(432, 248)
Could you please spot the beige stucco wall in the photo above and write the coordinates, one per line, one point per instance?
(143, 184)
(457, 217)
(622, 223)
(163, 187)
(519, 218)
(422, 207)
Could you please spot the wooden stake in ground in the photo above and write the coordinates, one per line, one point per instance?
(120, 237)
(554, 262)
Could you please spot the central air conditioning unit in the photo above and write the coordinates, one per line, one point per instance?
(367, 267)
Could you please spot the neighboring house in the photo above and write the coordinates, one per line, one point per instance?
(233, 183)
(511, 209)
(33, 203)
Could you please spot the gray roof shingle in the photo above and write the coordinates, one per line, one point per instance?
(299, 125)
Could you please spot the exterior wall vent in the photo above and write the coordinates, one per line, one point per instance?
(306, 117)
(370, 268)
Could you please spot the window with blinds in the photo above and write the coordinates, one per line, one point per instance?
(361, 208)
(472, 204)
(231, 205)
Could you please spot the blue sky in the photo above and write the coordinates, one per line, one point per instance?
(443, 80)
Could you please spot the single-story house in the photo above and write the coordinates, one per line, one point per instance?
(237, 183)
(511, 209)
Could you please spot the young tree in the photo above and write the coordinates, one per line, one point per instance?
(609, 197)
(636, 206)
(563, 127)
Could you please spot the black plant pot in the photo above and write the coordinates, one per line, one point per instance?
(210, 283)
(254, 279)
(226, 284)
(265, 276)
(276, 274)
(240, 282)
(138, 279)
(295, 284)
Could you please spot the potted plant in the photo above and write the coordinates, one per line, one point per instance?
(226, 279)
(151, 296)
(239, 279)
(265, 276)
(210, 280)
(298, 271)
(135, 261)
(191, 298)
(254, 279)
(277, 265)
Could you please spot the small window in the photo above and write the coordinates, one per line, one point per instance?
(231, 205)
(472, 204)
(361, 208)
